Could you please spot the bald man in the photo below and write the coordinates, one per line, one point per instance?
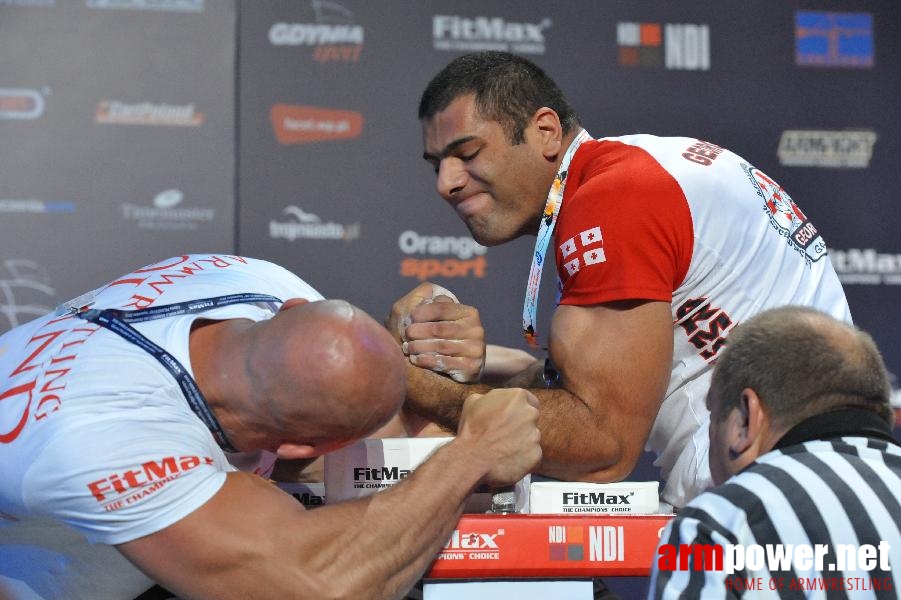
(122, 412)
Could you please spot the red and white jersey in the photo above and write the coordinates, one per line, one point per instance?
(686, 222)
(97, 435)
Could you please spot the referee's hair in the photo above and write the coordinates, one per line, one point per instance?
(802, 362)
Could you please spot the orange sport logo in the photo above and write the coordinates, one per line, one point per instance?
(442, 256)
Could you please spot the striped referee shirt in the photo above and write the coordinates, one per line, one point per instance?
(831, 489)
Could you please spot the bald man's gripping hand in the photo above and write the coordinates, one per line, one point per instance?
(438, 333)
(502, 428)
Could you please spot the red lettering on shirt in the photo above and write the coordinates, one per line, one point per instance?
(148, 473)
(158, 282)
(19, 390)
(703, 153)
(705, 325)
(47, 381)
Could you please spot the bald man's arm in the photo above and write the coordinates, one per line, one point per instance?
(251, 540)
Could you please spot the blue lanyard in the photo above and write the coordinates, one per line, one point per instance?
(118, 321)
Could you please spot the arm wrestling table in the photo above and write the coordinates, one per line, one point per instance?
(541, 556)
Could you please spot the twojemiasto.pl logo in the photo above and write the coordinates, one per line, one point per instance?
(812, 567)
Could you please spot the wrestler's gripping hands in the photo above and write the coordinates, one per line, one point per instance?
(438, 333)
(501, 430)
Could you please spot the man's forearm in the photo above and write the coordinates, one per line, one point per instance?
(251, 540)
(396, 534)
(529, 378)
(579, 441)
(438, 398)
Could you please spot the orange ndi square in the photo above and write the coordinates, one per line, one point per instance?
(651, 34)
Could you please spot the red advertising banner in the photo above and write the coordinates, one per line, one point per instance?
(549, 546)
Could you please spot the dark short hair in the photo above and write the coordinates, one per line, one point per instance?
(508, 89)
(801, 362)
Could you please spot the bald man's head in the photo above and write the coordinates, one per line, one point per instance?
(325, 372)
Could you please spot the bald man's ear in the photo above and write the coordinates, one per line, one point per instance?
(292, 302)
(296, 451)
(289, 451)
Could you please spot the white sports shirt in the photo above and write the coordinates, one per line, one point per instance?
(687, 222)
(97, 441)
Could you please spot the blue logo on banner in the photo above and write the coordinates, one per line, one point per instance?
(834, 39)
(60, 206)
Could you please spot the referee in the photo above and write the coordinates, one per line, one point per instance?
(808, 502)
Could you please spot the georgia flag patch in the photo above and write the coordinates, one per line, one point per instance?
(588, 247)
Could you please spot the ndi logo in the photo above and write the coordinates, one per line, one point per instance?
(606, 543)
(676, 46)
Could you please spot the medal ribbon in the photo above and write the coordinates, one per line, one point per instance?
(545, 233)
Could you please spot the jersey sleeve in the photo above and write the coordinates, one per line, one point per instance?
(120, 479)
(625, 231)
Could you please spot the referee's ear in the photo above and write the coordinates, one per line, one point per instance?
(752, 429)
